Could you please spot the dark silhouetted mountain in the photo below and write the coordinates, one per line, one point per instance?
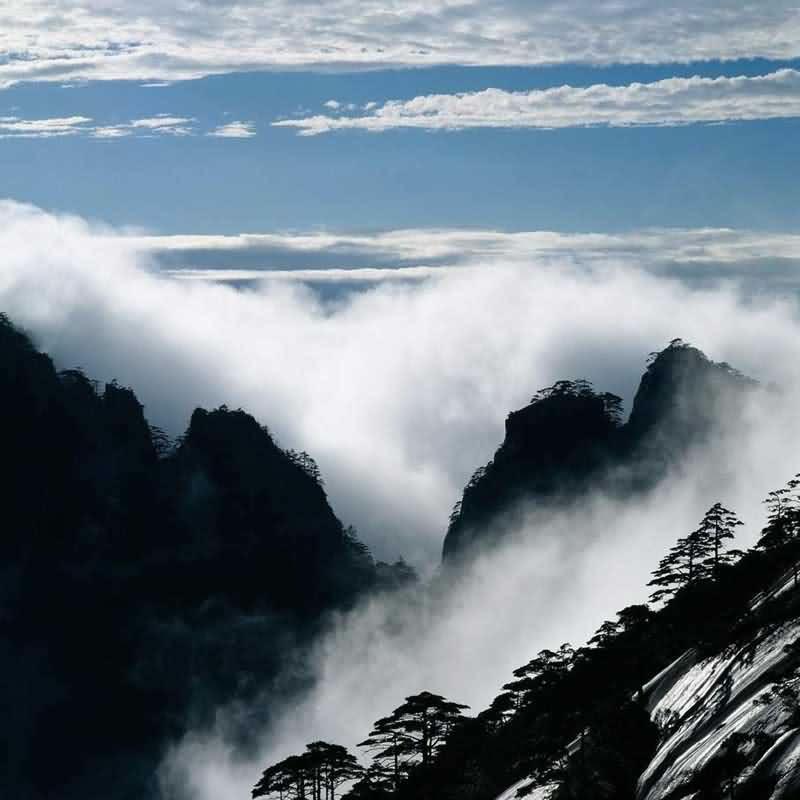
(570, 440)
(142, 585)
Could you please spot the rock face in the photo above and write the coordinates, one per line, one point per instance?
(731, 721)
(570, 439)
(143, 584)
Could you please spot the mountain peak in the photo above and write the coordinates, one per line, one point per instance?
(683, 392)
(570, 439)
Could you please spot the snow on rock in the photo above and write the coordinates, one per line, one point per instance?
(699, 705)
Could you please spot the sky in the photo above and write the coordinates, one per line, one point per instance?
(568, 115)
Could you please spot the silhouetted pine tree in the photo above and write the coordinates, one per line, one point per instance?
(315, 774)
(697, 556)
(540, 673)
(718, 527)
(783, 516)
(412, 734)
(683, 565)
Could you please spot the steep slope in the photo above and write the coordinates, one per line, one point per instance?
(727, 710)
(730, 720)
(142, 585)
(569, 440)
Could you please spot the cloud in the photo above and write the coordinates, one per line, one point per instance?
(235, 130)
(399, 391)
(760, 260)
(164, 124)
(157, 42)
(669, 102)
(149, 127)
(111, 132)
(14, 127)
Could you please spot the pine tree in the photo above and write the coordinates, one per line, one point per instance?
(718, 526)
(683, 565)
(316, 774)
(699, 555)
(540, 673)
(412, 734)
(783, 517)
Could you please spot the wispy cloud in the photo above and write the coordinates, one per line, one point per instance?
(164, 125)
(156, 42)
(769, 259)
(14, 127)
(147, 127)
(673, 101)
(235, 130)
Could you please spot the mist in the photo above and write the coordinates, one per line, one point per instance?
(400, 392)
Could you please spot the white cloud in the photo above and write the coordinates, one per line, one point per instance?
(673, 101)
(158, 125)
(334, 379)
(110, 132)
(765, 260)
(334, 105)
(156, 41)
(14, 127)
(235, 130)
(164, 124)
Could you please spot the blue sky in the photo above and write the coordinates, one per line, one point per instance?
(576, 178)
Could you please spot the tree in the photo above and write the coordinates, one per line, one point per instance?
(717, 527)
(303, 460)
(412, 734)
(612, 405)
(683, 566)
(697, 556)
(540, 673)
(783, 516)
(320, 770)
(375, 783)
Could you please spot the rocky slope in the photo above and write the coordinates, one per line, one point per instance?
(730, 721)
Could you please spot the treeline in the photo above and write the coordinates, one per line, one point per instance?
(573, 719)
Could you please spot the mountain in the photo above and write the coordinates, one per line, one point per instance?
(570, 440)
(143, 582)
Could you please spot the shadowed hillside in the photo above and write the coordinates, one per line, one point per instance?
(146, 582)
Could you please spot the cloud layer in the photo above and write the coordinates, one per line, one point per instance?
(399, 391)
(158, 41)
(669, 102)
(762, 261)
